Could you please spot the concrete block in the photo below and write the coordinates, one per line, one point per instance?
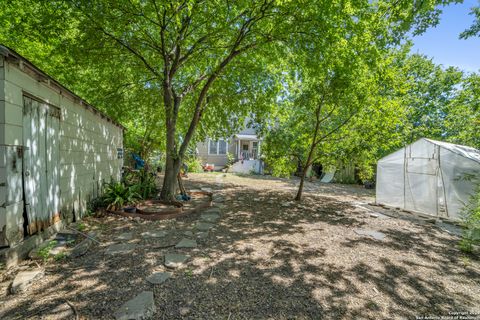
(24, 279)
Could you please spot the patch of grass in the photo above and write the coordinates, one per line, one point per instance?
(465, 260)
(60, 256)
(44, 253)
(189, 273)
(81, 227)
(372, 306)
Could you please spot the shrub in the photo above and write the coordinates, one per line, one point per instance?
(143, 181)
(94, 204)
(194, 164)
(471, 220)
(230, 161)
(117, 195)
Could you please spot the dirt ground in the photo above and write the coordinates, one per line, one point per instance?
(267, 258)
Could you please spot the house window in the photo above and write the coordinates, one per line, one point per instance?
(222, 147)
(217, 147)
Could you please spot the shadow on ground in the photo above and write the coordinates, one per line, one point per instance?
(268, 258)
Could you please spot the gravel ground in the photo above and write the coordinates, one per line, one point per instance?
(266, 258)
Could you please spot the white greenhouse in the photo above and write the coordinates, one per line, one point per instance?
(432, 177)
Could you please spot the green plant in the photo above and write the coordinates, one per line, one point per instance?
(81, 226)
(60, 256)
(471, 221)
(230, 161)
(94, 204)
(117, 195)
(44, 252)
(194, 164)
(142, 181)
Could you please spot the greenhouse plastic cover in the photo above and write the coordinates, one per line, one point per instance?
(428, 176)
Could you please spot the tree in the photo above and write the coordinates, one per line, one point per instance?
(183, 47)
(474, 29)
(178, 52)
(462, 121)
(337, 82)
(431, 90)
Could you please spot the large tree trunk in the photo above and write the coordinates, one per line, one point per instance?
(298, 197)
(173, 160)
(172, 168)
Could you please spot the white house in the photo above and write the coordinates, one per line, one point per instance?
(245, 147)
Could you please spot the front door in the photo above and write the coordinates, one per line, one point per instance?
(245, 147)
(41, 190)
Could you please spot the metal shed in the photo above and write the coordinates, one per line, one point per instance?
(56, 150)
(432, 177)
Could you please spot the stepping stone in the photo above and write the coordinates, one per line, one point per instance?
(202, 235)
(217, 198)
(175, 260)
(154, 234)
(209, 217)
(121, 248)
(188, 233)
(23, 280)
(213, 210)
(140, 307)
(82, 248)
(203, 226)
(159, 277)
(186, 243)
(206, 189)
(125, 236)
(371, 233)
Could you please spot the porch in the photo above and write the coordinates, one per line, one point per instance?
(247, 147)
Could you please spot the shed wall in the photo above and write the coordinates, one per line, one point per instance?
(87, 147)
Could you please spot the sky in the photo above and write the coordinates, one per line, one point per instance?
(442, 42)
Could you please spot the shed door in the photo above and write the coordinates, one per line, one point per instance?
(40, 169)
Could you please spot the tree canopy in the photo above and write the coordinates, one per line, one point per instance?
(325, 77)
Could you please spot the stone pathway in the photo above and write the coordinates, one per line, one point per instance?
(141, 306)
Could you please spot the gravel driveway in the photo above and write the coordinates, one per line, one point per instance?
(329, 257)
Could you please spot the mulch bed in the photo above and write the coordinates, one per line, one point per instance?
(160, 210)
(268, 258)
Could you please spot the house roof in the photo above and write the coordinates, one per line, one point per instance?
(12, 54)
(465, 151)
(247, 137)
